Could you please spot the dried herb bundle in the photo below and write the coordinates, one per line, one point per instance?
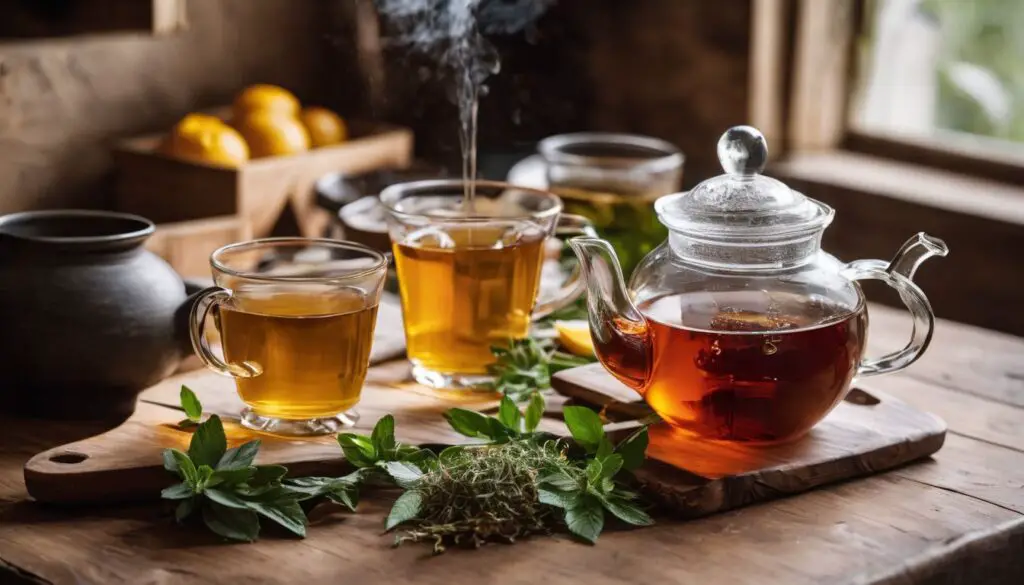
(489, 493)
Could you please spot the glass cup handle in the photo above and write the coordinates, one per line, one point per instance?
(206, 300)
(573, 287)
(916, 302)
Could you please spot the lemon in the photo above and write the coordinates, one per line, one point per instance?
(206, 139)
(574, 336)
(265, 98)
(271, 134)
(324, 126)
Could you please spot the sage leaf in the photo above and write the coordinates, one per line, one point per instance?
(287, 513)
(184, 509)
(383, 436)
(170, 462)
(509, 415)
(239, 457)
(406, 475)
(225, 498)
(359, 450)
(406, 508)
(585, 426)
(265, 474)
(190, 404)
(231, 523)
(558, 480)
(178, 491)
(208, 442)
(633, 449)
(557, 498)
(627, 512)
(586, 518)
(534, 412)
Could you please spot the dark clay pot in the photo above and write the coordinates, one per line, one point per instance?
(88, 318)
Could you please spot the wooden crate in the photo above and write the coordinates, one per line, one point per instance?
(187, 245)
(265, 192)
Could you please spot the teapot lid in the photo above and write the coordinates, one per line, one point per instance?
(742, 202)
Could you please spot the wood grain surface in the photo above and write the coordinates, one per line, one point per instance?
(955, 518)
(867, 433)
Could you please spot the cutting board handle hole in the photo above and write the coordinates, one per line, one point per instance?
(68, 457)
(861, 398)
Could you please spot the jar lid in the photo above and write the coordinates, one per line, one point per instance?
(742, 202)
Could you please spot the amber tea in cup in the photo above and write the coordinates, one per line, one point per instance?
(469, 276)
(296, 319)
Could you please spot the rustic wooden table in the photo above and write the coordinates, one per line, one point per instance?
(956, 518)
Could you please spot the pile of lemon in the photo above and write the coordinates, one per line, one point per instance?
(266, 120)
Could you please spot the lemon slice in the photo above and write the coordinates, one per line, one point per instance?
(574, 336)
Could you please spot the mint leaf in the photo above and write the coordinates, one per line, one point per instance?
(231, 523)
(595, 471)
(534, 412)
(359, 450)
(585, 426)
(178, 491)
(406, 475)
(468, 422)
(208, 442)
(287, 513)
(184, 509)
(633, 449)
(348, 497)
(225, 498)
(610, 465)
(190, 404)
(604, 447)
(239, 457)
(627, 512)
(186, 469)
(265, 474)
(383, 437)
(231, 477)
(406, 508)
(557, 498)
(586, 518)
(509, 415)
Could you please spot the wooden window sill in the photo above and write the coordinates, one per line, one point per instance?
(880, 203)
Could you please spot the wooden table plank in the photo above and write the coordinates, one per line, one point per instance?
(954, 519)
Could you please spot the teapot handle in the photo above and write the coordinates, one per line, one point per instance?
(916, 302)
(206, 300)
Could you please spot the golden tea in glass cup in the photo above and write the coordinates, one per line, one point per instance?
(469, 275)
(296, 318)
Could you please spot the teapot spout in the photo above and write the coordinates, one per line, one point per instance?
(619, 330)
(914, 252)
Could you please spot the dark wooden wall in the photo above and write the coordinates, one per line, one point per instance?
(62, 100)
(675, 69)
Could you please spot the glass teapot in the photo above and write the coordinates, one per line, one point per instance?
(739, 327)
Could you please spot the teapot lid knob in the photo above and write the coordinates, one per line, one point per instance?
(742, 150)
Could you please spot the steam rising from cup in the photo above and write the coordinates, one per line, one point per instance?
(452, 31)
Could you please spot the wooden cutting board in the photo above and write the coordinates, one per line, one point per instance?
(867, 433)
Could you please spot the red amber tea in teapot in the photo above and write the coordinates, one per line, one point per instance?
(745, 365)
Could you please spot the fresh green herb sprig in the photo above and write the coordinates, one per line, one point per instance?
(230, 493)
(525, 366)
(520, 482)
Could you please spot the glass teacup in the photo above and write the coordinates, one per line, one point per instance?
(613, 179)
(296, 318)
(469, 277)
